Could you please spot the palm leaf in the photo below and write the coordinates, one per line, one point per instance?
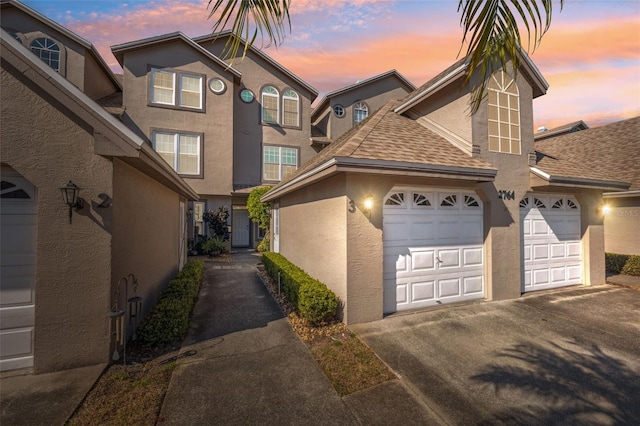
(248, 19)
(491, 29)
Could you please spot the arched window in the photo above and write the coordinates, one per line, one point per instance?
(360, 112)
(290, 108)
(47, 50)
(270, 105)
(503, 110)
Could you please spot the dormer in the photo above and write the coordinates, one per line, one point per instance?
(68, 54)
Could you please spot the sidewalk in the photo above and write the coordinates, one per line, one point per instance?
(628, 281)
(249, 366)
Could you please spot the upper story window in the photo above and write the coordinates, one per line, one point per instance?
(47, 50)
(339, 111)
(360, 112)
(503, 111)
(181, 150)
(189, 93)
(270, 103)
(279, 162)
(290, 108)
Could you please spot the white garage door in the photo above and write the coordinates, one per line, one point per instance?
(433, 248)
(551, 241)
(17, 272)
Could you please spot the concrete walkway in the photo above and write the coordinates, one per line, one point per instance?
(249, 367)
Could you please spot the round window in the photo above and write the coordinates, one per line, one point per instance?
(247, 95)
(216, 85)
(338, 111)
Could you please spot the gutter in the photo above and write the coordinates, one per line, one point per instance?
(622, 194)
(594, 183)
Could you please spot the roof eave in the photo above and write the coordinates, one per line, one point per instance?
(566, 181)
(443, 82)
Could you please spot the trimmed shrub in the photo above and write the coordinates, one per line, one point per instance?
(632, 266)
(263, 245)
(168, 321)
(615, 262)
(312, 299)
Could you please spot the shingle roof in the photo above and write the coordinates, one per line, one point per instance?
(397, 142)
(560, 130)
(610, 152)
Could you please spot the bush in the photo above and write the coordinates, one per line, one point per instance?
(217, 220)
(168, 321)
(214, 244)
(615, 262)
(632, 266)
(263, 245)
(312, 299)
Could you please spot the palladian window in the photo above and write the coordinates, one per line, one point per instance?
(360, 112)
(47, 50)
(503, 110)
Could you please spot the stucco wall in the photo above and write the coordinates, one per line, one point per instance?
(73, 272)
(622, 226)
(72, 66)
(320, 246)
(592, 228)
(450, 109)
(146, 232)
(96, 83)
(374, 95)
(215, 123)
(249, 134)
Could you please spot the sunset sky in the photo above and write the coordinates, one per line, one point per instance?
(590, 57)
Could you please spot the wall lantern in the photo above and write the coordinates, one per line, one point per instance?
(368, 203)
(606, 209)
(70, 196)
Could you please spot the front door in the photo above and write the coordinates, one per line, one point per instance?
(240, 235)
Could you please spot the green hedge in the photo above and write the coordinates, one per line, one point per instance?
(622, 263)
(632, 266)
(169, 319)
(311, 298)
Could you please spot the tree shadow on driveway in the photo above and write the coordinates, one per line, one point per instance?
(563, 383)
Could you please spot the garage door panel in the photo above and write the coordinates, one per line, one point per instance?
(472, 256)
(17, 317)
(16, 289)
(394, 263)
(449, 288)
(473, 285)
(558, 251)
(449, 258)
(396, 231)
(558, 275)
(573, 250)
(574, 273)
(448, 230)
(422, 291)
(16, 342)
(472, 230)
(422, 230)
(423, 260)
(539, 227)
(540, 252)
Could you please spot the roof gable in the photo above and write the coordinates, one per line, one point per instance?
(359, 84)
(456, 72)
(120, 50)
(226, 34)
(67, 33)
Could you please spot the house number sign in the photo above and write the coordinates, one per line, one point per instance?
(503, 194)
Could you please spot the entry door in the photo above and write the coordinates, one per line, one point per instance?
(17, 272)
(240, 236)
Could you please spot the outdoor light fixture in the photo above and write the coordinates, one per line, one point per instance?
(368, 203)
(70, 196)
(606, 209)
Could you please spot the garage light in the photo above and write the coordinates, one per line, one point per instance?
(368, 203)
(606, 209)
(70, 196)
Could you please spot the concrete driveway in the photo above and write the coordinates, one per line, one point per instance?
(570, 356)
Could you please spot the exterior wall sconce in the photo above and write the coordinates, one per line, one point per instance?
(368, 205)
(70, 196)
(606, 210)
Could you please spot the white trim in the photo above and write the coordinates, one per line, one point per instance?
(622, 194)
(433, 88)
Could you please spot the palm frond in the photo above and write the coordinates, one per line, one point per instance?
(249, 19)
(492, 32)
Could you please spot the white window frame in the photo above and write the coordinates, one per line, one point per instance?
(176, 89)
(502, 84)
(43, 48)
(264, 93)
(287, 96)
(280, 163)
(176, 150)
(360, 106)
(276, 229)
(198, 217)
